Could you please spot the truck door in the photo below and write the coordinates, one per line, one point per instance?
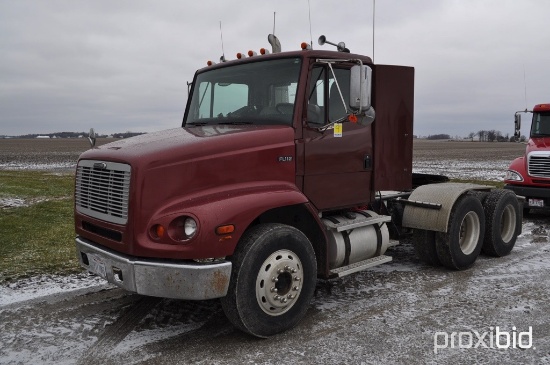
(337, 170)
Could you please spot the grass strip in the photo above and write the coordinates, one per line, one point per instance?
(37, 238)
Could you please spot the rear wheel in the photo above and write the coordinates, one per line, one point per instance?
(503, 217)
(459, 247)
(272, 280)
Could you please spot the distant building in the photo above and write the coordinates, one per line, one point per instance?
(42, 137)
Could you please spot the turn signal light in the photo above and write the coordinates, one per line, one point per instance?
(227, 229)
(352, 118)
(157, 231)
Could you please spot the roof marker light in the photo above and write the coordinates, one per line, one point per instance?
(210, 63)
(264, 51)
(240, 55)
(305, 46)
(251, 53)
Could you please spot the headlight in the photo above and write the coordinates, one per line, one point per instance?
(182, 228)
(513, 176)
(190, 227)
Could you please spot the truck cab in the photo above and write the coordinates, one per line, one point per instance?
(529, 175)
(287, 167)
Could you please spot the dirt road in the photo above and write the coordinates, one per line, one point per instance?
(401, 312)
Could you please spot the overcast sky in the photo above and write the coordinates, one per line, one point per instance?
(123, 65)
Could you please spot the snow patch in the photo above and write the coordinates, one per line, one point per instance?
(47, 285)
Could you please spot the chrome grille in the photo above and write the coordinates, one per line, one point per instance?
(539, 164)
(102, 190)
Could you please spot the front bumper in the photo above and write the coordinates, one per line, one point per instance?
(155, 277)
(531, 192)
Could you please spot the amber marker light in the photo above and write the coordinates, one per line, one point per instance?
(158, 231)
(210, 63)
(304, 46)
(264, 51)
(240, 55)
(251, 53)
(227, 229)
(352, 118)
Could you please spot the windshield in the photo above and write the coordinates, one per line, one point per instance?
(541, 124)
(261, 92)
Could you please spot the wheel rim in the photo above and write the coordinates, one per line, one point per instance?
(469, 233)
(508, 223)
(279, 282)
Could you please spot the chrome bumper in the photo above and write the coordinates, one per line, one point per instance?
(155, 277)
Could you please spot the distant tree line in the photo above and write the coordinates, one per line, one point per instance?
(439, 136)
(74, 135)
(482, 135)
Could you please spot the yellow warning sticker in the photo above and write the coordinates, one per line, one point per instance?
(337, 129)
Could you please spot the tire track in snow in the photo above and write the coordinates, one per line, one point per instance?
(118, 330)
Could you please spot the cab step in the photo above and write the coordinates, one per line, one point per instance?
(359, 266)
(339, 227)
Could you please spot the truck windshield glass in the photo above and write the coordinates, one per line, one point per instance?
(262, 92)
(541, 124)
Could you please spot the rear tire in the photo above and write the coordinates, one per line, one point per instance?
(424, 246)
(272, 280)
(503, 222)
(460, 246)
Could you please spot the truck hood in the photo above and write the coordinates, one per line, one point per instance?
(172, 146)
(539, 143)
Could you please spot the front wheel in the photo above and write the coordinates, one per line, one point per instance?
(272, 280)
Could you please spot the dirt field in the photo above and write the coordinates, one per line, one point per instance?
(454, 159)
(42, 154)
(402, 312)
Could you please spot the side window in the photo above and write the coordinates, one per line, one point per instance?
(336, 107)
(316, 100)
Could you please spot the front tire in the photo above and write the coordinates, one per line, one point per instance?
(460, 246)
(272, 280)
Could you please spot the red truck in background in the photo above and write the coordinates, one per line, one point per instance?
(529, 175)
(288, 167)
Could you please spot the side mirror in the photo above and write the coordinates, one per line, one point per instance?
(360, 88)
(92, 137)
(517, 122)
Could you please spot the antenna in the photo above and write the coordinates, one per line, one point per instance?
(273, 40)
(525, 86)
(222, 58)
(373, 12)
(310, 34)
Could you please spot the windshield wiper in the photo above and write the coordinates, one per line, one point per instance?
(195, 124)
(235, 123)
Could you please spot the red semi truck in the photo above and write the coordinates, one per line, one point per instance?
(529, 175)
(288, 167)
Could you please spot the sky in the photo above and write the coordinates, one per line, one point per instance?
(124, 65)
